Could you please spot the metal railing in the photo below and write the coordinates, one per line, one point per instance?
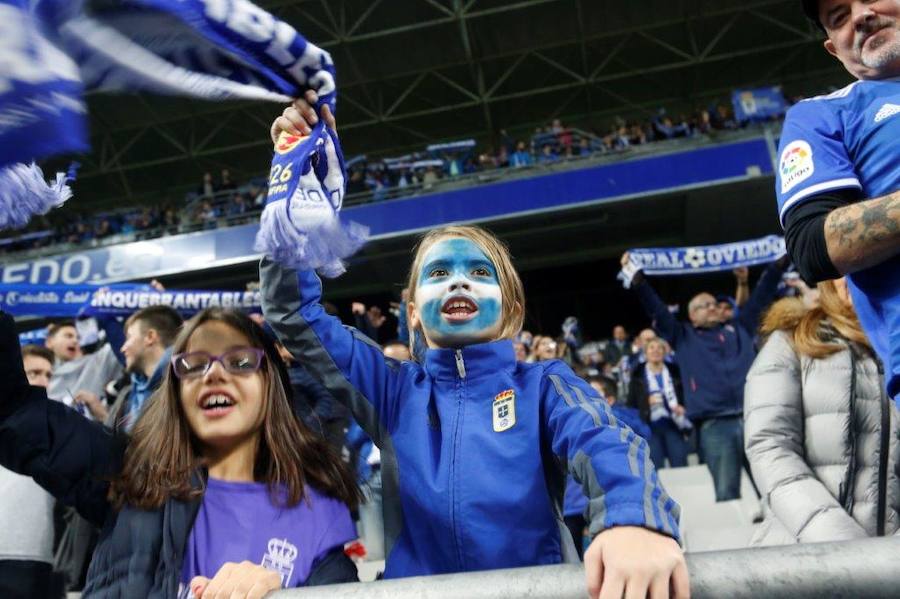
(855, 569)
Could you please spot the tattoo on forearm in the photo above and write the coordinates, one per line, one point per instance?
(865, 223)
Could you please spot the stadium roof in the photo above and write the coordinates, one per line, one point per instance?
(412, 72)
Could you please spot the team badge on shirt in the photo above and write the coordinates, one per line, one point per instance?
(280, 558)
(504, 409)
(796, 164)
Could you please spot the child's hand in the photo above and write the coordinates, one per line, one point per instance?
(635, 563)
(245, 580)
(299, 117)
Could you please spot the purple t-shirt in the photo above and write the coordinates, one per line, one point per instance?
(237, 521)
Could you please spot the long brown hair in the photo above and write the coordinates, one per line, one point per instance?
(817, 332)
(512, 312)
(163, 453)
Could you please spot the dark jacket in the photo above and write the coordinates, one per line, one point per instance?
(140, 552)
(714, 361)
(638, 396)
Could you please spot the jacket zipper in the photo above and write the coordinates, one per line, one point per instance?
(883, 453)
(461, 370)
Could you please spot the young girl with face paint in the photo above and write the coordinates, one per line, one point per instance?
(475, 446)
(219, 491)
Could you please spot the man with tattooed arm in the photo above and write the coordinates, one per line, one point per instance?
(838, 181)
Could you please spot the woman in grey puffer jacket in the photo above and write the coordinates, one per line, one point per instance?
(820, 432)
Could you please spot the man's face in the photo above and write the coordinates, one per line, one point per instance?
(134, 347)
(619, 333)
(38, 370)
(726, 312)
(64, 344)
(703, 311)
(864, 35)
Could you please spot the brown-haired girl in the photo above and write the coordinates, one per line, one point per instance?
(219, 490)
(475, 445)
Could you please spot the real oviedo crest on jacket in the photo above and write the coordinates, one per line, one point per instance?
(504, 408)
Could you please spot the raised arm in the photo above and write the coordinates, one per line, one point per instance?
(664, 321)
(773, 425)
(348, 364)
(68, 455)
(763, 295)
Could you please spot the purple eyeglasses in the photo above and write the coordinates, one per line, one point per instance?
(241, 360)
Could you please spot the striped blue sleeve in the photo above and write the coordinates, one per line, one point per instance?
(609, 460)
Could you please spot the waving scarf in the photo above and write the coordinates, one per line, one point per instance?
(209, 49)
(701, 259)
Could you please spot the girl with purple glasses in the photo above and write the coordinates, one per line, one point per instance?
(220, 488)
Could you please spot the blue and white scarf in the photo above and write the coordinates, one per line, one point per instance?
(701, 259)
(209, 49)
(669, 399)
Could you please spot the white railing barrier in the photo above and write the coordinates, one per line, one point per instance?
(855, 569)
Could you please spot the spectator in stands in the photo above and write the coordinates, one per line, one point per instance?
(26, 514)
(237, 206)
(225, 182)
(269, 488)
(822, 436)
(430, 178)
(543, 348)
(618, 347)
(655, 390)
(207, 188)
(714, 359)
(208, 215)
(149, 335)
(584, 147)
(74, 372)
(521, 351)
(548, 155)
(563, 135)
(170, 221)
(521, 157)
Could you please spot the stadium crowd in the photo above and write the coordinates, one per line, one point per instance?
(222, 201)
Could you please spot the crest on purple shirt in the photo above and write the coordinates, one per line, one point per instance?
(280, 558)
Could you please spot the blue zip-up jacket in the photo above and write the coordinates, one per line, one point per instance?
(714, 361)
(474, 446)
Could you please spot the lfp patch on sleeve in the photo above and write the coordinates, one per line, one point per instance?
(796, 164)
(504, 409)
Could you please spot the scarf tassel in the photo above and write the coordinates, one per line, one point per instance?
(24, 193)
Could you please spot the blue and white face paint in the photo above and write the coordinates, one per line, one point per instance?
(458, 298)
